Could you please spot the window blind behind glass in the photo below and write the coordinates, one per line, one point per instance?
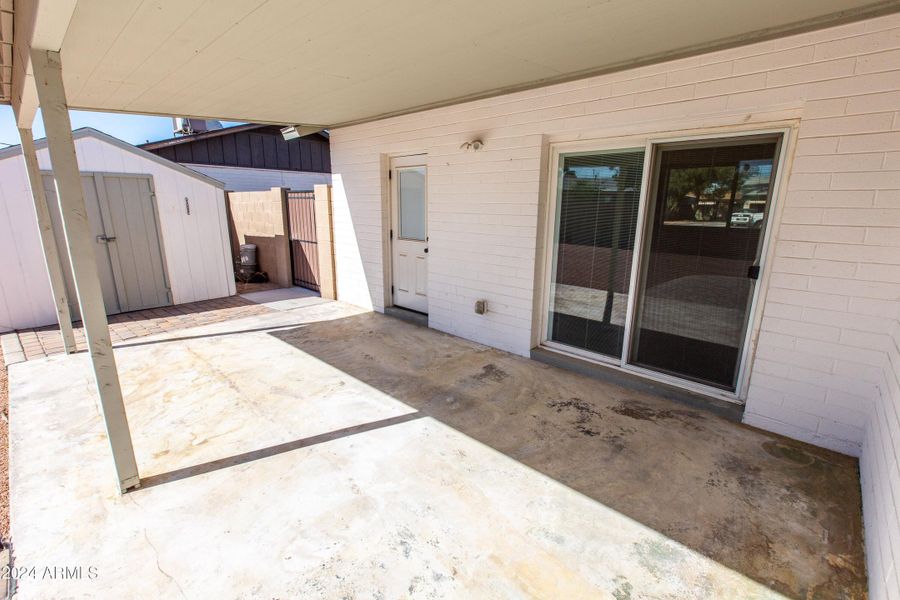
(597, 217)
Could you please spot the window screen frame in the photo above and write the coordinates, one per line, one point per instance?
(553, 245)
(785, 131)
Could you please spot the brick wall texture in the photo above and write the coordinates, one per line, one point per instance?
(260, 218)
(825, 364)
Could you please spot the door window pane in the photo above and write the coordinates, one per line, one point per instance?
(596, 218)
(704, 235)
(411, 186)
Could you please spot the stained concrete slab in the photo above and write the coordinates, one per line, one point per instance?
(324, 452)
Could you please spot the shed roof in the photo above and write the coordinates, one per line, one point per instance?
(86, 132)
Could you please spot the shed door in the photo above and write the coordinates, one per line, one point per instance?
(123, 218)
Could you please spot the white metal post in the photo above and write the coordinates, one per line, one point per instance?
(52, 99)
(55, 265)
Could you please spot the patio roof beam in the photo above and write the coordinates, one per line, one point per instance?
(36, 24)
(55, 112)
(48, 241)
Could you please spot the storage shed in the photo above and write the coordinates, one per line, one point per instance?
(161, 232)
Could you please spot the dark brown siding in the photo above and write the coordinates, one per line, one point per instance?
(262, 148)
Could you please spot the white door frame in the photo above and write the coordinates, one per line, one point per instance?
(788, 132)
(393, 220)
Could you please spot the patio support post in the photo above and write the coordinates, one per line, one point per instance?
(52, 100)
(48, 241)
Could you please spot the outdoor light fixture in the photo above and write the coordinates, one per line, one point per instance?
(293, 132)
(475, 145)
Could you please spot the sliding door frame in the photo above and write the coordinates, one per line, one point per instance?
(787, 130)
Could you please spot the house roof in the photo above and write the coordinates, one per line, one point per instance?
(247, 146)
(338, 63)
(194, 137)
(85, 132)
(185, 139)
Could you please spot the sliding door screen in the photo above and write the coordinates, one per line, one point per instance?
(596, 219)
(699, 265)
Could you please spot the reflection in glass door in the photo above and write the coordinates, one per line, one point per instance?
(700, 259)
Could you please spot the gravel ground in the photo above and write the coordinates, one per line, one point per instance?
(4, 453)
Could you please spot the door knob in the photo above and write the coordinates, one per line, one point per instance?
(426, 250)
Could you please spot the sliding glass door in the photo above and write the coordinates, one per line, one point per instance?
(706, 211)
(597, 208)
(699, 265)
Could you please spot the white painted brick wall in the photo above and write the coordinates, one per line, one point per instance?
(826, 362)
(880, 473)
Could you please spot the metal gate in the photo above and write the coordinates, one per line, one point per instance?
(302, 231)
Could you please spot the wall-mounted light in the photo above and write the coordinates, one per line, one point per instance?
(296, 131)
(475, 145)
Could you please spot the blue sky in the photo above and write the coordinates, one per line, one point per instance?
(134, 129)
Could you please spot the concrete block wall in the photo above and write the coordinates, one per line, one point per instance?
(261, 218)
(824, 366)
(325, 242)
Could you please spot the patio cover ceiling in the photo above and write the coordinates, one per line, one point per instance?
(341, 62)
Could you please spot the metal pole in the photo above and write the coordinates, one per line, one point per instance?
(48, 241)
(52, 98)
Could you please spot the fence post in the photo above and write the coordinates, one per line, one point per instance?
(283, 274)
(325, 241)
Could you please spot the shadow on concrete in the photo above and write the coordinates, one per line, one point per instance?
(783, 513)
(271, 328)
(246, 457)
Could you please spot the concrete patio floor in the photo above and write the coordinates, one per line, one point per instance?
(318, 451)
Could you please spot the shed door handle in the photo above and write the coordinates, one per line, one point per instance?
(105, 238)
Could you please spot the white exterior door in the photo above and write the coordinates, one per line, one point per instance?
(409, 233)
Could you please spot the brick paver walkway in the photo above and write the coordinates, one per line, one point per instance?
(43, 341)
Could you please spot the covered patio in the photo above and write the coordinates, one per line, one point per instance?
(318, 450)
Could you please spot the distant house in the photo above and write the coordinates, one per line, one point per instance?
(251, 157)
